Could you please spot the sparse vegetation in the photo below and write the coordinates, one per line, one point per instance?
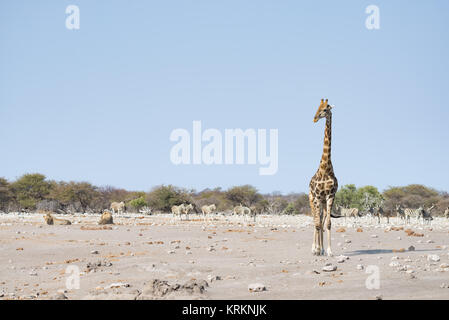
(35, 192)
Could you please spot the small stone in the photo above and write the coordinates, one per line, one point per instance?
(374, 236)
(347, 241)
(360, 267)
(341, 259)
(118, 285)
(257, 287)
(411, 248)
(394, 264)
(171, 252)
(94, 252)
(212, 278)
(433, 257)
(395, 258)
(59, 296)
(329, 268)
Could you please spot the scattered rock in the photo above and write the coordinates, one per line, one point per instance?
(212, 278)
(59, 296)
(360, 267)
(329, 268)
(118, 285)
(93, 266)
(160, 288)
(257, 287)
(411, 248)
(394, 264)
(341, 259)
(433, 257)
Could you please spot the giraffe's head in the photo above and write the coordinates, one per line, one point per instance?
(323, 110)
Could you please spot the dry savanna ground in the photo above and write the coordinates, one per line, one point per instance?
(226, 257)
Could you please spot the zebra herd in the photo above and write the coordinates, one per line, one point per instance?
(404, 214)
(209, 209)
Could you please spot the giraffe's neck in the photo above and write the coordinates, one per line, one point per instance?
(326, 164)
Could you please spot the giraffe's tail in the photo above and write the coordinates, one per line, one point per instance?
(333, 215)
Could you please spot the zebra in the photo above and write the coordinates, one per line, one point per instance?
(400, 212)
(208, 209)
(415, 213)
(347, 212)
(118, 206)
(187, 208)
(177, 210)
(244, 211)
(425, 214)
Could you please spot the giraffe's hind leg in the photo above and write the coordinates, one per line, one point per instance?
(327, 218)
(316, 249)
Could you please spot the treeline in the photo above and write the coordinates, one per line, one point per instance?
(32, 192)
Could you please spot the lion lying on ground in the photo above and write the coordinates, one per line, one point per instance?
(49, 219)
(106, 218)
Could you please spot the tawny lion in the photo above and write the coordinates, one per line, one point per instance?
(106, 218)
(49, 219)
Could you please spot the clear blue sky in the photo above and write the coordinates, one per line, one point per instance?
(98, 104)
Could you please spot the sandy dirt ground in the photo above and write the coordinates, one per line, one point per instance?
(159, 257)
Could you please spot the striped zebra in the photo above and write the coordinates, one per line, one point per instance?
(347, 212)
(426, 215)
(399, 212)
(415, 213)
(177, 210)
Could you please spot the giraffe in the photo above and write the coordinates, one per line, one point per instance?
(323, 186)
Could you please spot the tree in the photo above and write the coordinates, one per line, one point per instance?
(162, 198)
(368, 197)
(29, 189)
(138, 203)
(302, 205)
(411, 196)
(5, 194)
(347, 196)
(246, 195)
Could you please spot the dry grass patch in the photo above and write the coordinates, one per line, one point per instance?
(412, 233)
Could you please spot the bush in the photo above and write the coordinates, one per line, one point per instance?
(138, 203)
(30, 189)
(246, 195)
(162, 198)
